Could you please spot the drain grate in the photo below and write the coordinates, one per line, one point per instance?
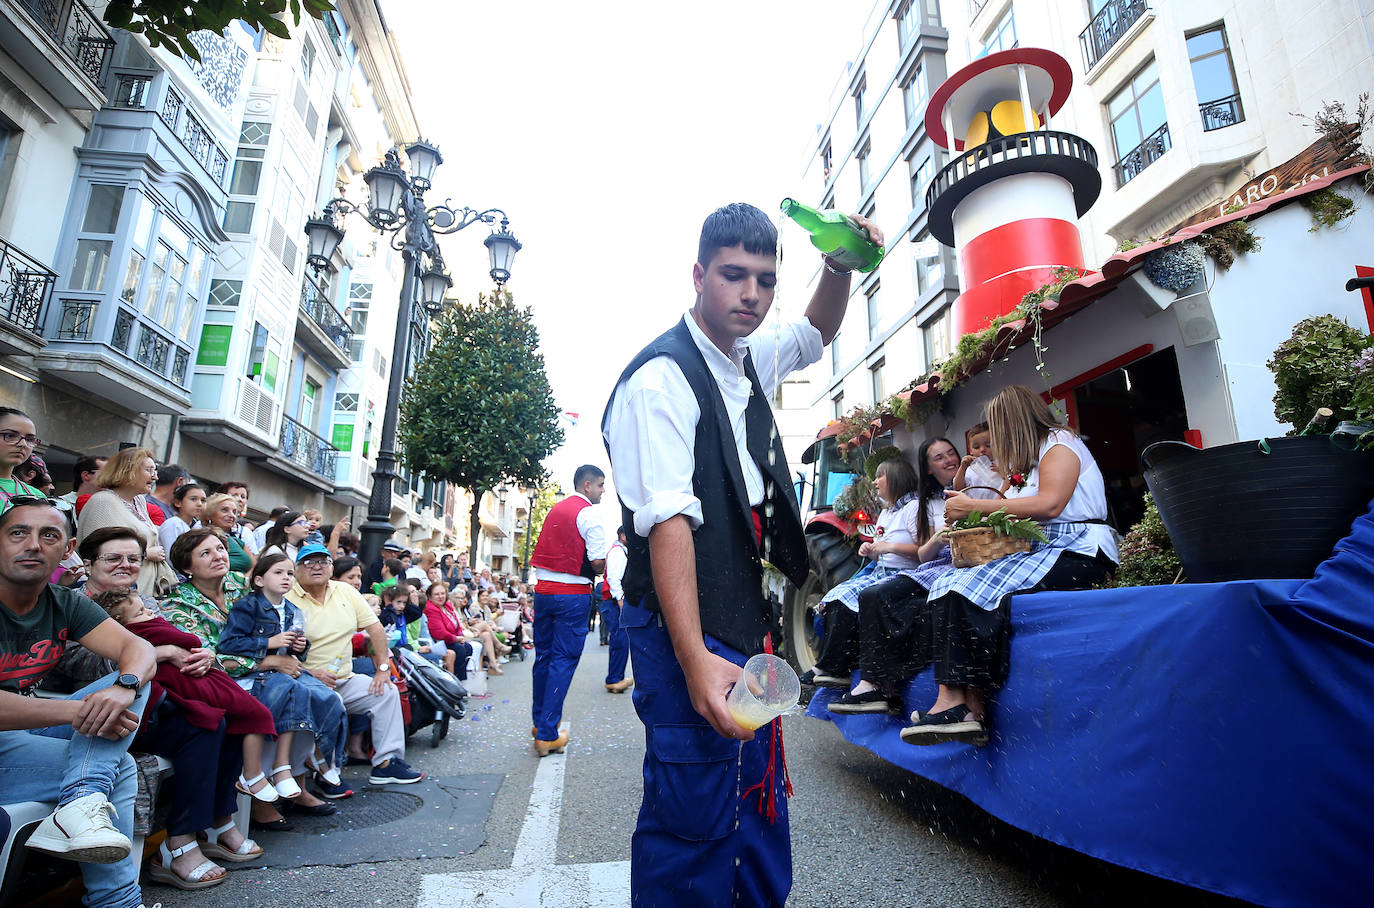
(369, 807)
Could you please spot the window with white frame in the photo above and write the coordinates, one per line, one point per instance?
(1140, 130)
(939, 342)
(914, 96)
(96, 240)
(921, 176)
(874, 316)
(1002, 36)
(864, 153)
(1214, 78)
(875, 380)
(930, 269)
(247, 176)
(860, 90)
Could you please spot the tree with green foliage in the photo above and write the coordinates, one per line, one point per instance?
(479, 410)
(171, 22)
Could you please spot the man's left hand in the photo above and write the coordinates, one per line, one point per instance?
(380, 682)
(874, 232)
(105, 713)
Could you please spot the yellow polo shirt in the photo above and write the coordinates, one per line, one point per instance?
(330, 625)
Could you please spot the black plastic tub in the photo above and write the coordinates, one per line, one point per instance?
(1237, 513)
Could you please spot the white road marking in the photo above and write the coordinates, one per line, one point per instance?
(533, 880)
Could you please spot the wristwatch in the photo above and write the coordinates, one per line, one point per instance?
(128, 682)
(384, 667)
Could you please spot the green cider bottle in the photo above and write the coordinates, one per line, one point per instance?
(837, 235)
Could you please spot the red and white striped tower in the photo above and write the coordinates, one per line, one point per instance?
(1008, 202)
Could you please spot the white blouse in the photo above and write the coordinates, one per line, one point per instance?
(900, 527)
(1089, 500)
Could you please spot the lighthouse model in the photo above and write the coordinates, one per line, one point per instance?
(1009, 200)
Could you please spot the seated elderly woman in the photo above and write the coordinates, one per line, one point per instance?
(126, 481)
(200, 605)
(205, 758)
(1054, 481)
(893, 630)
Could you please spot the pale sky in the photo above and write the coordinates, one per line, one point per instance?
(608, 131)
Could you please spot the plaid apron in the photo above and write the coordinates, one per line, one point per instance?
(984, 585)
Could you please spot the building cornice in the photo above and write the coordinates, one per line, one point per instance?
(380, 58)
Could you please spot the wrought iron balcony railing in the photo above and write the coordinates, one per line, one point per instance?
(194, 135)
(1107, 27)
(81, 34)
(25, 287)
(322, 312)
(308, 450)
(1221, 113)
(1142, 156)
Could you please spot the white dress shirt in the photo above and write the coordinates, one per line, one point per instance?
(651, 425)
(593, 536)
(616, 560)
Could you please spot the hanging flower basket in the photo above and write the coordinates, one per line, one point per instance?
(1176, 267)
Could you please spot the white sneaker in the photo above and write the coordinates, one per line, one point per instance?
(82, 831)
(503, 659)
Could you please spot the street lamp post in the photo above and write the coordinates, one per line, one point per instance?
(529, 526)
(397, 206)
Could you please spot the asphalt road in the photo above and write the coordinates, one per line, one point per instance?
(864, 833)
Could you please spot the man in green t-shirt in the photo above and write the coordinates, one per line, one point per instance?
(72, 751)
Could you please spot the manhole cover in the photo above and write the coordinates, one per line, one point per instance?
(369, 807)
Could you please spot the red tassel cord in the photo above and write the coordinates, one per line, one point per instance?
(776, 748)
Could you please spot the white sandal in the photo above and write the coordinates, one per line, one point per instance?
(163, 872)
(330, 773)
(287, 788)
(248, 850)
(266, 794)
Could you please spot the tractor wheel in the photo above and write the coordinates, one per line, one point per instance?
(834, 559)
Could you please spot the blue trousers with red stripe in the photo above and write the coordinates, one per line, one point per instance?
(560, 631)
(700, 841)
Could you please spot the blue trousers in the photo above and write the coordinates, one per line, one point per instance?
(205, 765)
(617, 640)
(699, 841)
(57, 764)
(560, 630)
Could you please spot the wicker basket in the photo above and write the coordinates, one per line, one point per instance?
(968, 548)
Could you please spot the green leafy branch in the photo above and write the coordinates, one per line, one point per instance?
(1002, 524)
(171, 22)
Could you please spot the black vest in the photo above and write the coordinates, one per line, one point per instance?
(729, 571)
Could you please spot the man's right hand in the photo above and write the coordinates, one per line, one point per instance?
(708, 684)
(328, 679)
(287, 665)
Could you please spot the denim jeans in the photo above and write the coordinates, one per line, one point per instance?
(305, 705)
(56, 763)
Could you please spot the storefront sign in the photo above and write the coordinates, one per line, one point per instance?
(214, 345)
(1317, 161)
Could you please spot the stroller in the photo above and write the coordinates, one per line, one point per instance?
(434, 695)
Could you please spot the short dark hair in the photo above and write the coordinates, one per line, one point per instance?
(344, 564)
(620, 531)
(90, 546)
(738, 223)
(169, 473)
(87, 463)
(395, 592)
(277, 511)
(349, 542)
(5, 514)
(395, 566)
(233, 484)
(188, 542)
(585, 472)
(978, 429)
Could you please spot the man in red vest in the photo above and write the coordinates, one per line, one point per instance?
(570, 552)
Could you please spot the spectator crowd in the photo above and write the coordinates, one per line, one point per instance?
(257, 660)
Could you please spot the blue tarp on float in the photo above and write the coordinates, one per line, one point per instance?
(1220, 735)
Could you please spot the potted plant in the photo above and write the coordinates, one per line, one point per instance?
(1274, 508)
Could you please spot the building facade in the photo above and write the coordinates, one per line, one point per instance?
(154, 283)
(1188, 106)
(871, 155)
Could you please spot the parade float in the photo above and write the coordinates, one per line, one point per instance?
(1216, 734)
